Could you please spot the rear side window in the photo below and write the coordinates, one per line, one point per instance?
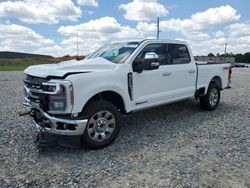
(178, 54)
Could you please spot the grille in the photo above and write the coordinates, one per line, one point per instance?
(32, 84)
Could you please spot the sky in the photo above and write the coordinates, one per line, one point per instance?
(53, 27)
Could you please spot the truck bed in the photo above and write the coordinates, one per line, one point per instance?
(208, 70)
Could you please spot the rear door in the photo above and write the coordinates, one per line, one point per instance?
(180, 75)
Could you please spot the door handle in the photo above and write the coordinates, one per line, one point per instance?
(166, 74)
(191, 71)
(155, 64)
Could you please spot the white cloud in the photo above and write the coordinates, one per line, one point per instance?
(88, 2)
(19, 38)
(219, 16)
(203, 30)
(94, 33)
(146, 28)
(143, 10)
(239, 29)
(222, 15)
(40, 11)
(213, 17)
(219, 34)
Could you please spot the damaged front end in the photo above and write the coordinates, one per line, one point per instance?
(51, 103)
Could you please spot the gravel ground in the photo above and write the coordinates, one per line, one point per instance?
(177, 145)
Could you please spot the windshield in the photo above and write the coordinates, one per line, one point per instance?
(115, 52)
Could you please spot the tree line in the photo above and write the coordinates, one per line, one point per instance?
(239, 58)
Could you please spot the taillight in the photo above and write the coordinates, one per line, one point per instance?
(230, 73)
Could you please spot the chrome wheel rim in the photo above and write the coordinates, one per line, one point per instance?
(214, 96)
(101, 126)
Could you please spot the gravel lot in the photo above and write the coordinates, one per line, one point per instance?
(177, 145)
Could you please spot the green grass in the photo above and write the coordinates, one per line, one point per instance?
(12, 68)
(21, 64)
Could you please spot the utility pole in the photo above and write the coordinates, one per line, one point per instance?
(225, 49)
(77, 47)
(158, 28)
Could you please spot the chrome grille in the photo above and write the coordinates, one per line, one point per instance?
(31, 90)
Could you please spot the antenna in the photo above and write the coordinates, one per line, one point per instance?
(158, 28)
(77, 47)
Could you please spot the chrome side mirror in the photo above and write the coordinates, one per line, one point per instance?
(151, 55)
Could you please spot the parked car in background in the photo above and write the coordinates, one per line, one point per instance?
(242, 65)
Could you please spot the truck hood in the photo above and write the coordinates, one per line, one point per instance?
(70, 67)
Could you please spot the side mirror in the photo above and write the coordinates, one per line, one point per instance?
(151, 55)
(150, 62)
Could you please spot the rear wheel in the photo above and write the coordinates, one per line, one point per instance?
(211, 100)
(103, 124)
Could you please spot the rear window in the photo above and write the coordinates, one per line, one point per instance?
(178, 54)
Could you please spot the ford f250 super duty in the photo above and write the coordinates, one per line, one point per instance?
(82, 101)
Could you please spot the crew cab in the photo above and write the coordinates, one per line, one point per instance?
(81, 102)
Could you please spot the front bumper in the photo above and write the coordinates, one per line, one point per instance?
(55, 125)
(79, 125)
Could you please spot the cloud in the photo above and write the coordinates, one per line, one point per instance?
(19, 38)
(88, 2)
(222, 15)
(219, 16)
(143, 10)
(239, 29)
(203, 29)
(43, 11)
(206, 31)
(94, 33)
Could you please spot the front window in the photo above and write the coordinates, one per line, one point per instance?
(115, 52)
(159, 49)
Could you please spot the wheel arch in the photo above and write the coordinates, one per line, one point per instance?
(203, 90)
(217, 80)
(110, 96)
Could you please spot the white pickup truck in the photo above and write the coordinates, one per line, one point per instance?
(82, 101)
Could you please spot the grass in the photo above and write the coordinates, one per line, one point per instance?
(21, 64)
(12, 68)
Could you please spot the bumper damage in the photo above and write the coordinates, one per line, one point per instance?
(53, 130)
(59, 126)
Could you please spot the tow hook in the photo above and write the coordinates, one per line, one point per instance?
(25, 113)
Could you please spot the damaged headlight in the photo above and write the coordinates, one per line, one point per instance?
(58, 101)
(53, 96)
(60, 97)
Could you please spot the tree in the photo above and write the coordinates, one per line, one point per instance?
(210, 55)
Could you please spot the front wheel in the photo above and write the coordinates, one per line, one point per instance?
(103, 124)
(211, 100)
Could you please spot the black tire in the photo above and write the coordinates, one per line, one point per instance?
(211, 100)
(103, 117)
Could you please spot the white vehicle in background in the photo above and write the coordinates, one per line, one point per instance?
(82, 101)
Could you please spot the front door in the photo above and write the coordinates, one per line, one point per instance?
(148, 86)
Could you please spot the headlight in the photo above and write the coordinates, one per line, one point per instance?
(58, 102)
(53, 96)
(62, 100)
(57, 105)
(51, 88)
